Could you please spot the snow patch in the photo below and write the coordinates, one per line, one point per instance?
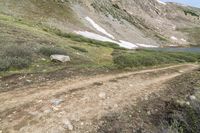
(99, 28)
(163, 3)
(94, 36)
(126, 44)
(174, 38)
(146, 46)
(98, 37)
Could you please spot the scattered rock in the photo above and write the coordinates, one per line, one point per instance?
(116, 106)
(131, 85)
(60, 58)
(1, 131)
(192, 97)
(56, 102)
(102, 95)
(28, 81)
(55, 109)
(68, 125)
(47, 111)
(181, 71)
(149, 112)
(43, 59)
(98, 83)
(187, 103)
(146, 98)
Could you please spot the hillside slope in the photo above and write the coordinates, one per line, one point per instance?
(141, 22)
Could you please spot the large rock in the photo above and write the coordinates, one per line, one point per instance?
(60, 58)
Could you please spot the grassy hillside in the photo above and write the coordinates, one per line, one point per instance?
(51, 12)
(25, 47)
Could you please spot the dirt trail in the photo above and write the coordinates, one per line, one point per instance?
(72, 105)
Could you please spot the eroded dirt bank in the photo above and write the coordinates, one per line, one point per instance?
(97, 104)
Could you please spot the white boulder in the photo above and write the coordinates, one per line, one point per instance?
(60, 58)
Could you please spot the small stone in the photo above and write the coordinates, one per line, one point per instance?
(98, 83)
(56, 102)
(43, 59)
(181, 71)
(55, 109)
(82, 123)
(146, 98)
(68, 125)
(116, 106)
(47, 111)
(149, 112)
(28, 81)
(14, 112)
(102, 95)
(131, 85)
(1, 131)
(187, 103)
(192, 97)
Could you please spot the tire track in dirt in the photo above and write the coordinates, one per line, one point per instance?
(82, 100)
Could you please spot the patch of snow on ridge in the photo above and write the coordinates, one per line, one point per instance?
(161, 2)
(146, 46)
(98, 37)
(99, 28)
(94, 36)
(126, 44)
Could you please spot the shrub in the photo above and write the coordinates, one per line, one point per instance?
(151, 58)
(19, 63)
(48, 51)
(15, 57)
(18, 51)
(79, 49)
(4, 64)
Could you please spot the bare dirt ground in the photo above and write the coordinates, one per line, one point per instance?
(73, 105)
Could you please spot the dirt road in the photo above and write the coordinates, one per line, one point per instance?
(73, 105)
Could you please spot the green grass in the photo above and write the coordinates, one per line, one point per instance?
(48, 51)
(82, 39)
(142, 58)
(79, 49)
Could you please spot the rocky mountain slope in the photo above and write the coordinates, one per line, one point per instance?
(129, 23)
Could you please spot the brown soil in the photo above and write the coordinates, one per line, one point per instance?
(73, 105)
